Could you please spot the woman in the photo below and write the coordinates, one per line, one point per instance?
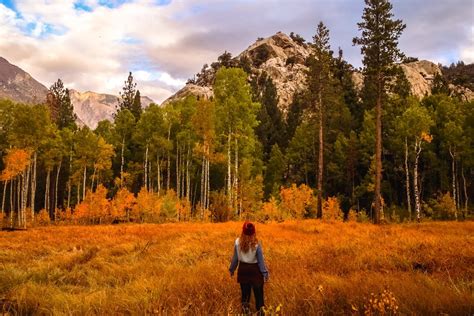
(252, 271)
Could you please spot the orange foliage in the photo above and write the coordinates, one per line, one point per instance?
(16, 161)
(271, 210)
(297, 201)
(95, 208)
(183, 209)
(332, 210)
(147, 207)
(42, 218)
(122, 204)
(64, 216)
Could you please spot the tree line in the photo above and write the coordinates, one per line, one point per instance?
(378, 153)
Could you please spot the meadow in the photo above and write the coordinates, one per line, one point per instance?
(181, 268)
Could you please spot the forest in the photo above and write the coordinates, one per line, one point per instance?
(376, 154)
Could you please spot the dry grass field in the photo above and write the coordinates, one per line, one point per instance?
(171, 269)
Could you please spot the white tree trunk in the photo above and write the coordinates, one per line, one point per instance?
(46, 191)
(407, 180)
(56, 188)
(415, 180)
(188, 179)
(146, 168)
(84, 183)
(453, 171)
(33, 185)
(122, 162)
(5, 183)
(158, 166)
(466, 197)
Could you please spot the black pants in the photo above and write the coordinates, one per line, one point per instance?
(246, 292)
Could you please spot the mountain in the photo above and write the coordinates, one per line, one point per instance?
(18, 85)
(90, 107)
(282, 57)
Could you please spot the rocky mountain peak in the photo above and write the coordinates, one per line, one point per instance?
(283, 57)
(18, 85)
(279, 55)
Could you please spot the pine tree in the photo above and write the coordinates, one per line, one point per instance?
(137, 105)
(319, 86)
(128, 96)
(60, 106)
(379, 45)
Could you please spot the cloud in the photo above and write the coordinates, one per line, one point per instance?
(93, 44)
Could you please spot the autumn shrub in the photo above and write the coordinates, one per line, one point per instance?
(121, 205)
(219, 207)
(42, 218)
(362, 216)
(147, 207)
(271, 211)
(443, 207)
(332, 210)
(298, 202)
(168, 205)
(352, 215)
(64, 216)
(183, 210)
(94, 209)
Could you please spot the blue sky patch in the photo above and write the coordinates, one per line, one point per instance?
(81, 6)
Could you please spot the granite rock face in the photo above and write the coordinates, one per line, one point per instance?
(18, 85)
(91, 107)
(283, 59)
(279, 56)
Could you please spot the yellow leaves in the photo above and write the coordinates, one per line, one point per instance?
(16, 161)
(332, 210)
(426, 137)
(270, 210)
(122, 204)
(183, 209)
(352, 216)
(147, 207)
(42, 218)
(297, 201)
(95, 208)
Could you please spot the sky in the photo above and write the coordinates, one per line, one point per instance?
(93, 44)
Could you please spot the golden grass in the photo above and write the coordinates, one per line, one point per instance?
(315, 268)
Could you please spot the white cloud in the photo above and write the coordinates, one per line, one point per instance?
(164, 45)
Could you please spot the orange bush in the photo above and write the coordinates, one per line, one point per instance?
(297, 201)
(183, 209)
(147, 207)
(271, 210)
(95, 208)
(42, 218)
(332, 210)
(122, 204)
(64, 216)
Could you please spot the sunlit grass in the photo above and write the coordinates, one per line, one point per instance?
(315, 267)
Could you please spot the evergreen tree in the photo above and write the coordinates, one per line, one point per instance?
(272, 128)
(379, 45)
(137, 105)
(320, 83)
(128, 97)
(60, 106)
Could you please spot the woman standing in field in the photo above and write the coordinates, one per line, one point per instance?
(252, 271)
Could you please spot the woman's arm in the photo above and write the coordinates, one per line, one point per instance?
(261, 262)
(234, 262)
